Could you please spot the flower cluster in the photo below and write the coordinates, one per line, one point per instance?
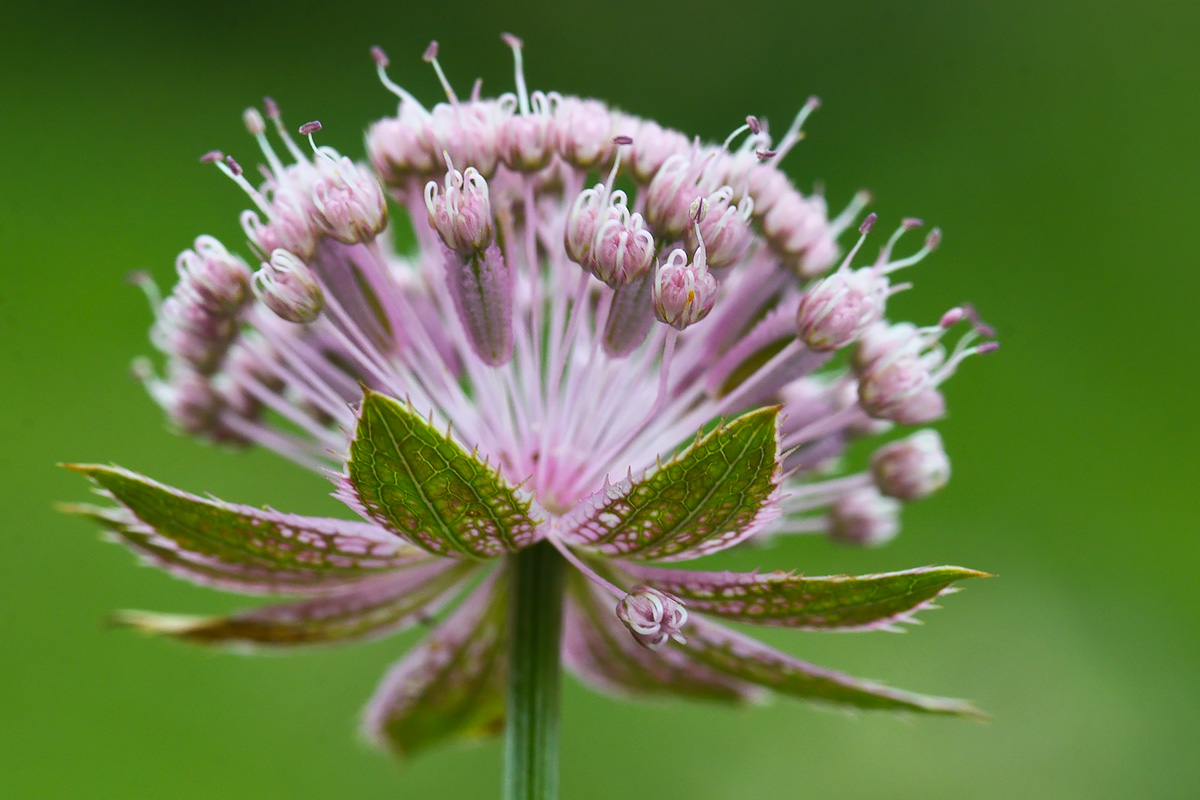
(636, 374)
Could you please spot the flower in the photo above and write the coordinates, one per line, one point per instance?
(476, 394)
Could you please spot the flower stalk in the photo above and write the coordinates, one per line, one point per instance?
(534, 674)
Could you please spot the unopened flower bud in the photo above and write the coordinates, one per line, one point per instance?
(288, 287)
(724, 228)
(396, 150)
(462, 213)
(901, 387)
(882, 338)
(652, 146)
(653, 617)
(839, 309)
(584, 131)
(623, 250)
(525, 141)
(684, 292)
(670, 196)
(864, 518)
(349, 202)
(213, 277)
(911, 468)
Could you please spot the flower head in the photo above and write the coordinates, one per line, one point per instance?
(478, 393)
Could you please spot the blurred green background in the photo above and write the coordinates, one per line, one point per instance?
(1056, 144)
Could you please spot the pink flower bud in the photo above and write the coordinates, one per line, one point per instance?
(623, 250)
(653, 617)
(462, 213)
(911, 468)
(288, 287)
(840, 309)
(584, 131)
(684, 292)
(724, 228)
(901, 387)
(525, 142)
(583, 221)
(670, 196)
(864, 518)
(348, 201)
(396, 150)
(216, 279)
(652, 146)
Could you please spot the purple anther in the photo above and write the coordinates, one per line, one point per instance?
(512, 41)
(234, 166)
(309, 128)
(868, 223)
(380, 57)
(755, 125)
(431, 52)
(212, 157)
(622, 140)
(908, 223)
(271, 108)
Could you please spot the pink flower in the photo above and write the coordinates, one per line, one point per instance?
(478, 394)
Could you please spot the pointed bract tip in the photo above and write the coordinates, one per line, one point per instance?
(512, 41)
(379, 57)
(233, 165)
(212, 157)
(310, 127)
(430, 52)
(908, 223)
(271, 108)
(622, 140)
(868, 223)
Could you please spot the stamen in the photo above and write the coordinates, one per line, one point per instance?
(273, 114)
(906, 224)
(430, 57)
(846, 218)
(517, 46)
(794, 134)
(381, 62)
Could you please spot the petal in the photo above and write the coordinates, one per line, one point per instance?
(716, 493)
(449, 686)
(368, 609)
(411, 478)
(833, 603)
(237, 547)
(731, 653)
(600, 651)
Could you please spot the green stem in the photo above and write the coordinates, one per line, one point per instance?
(534, 674)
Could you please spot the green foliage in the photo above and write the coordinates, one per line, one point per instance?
(416, 481)
(711, 496)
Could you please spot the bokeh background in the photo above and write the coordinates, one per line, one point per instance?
(1056, 144)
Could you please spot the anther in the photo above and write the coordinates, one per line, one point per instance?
(212, 157)
(754, 125)
(622, 140)
(234, 166)
(309, 128)
(380, 57)
(868, 223)
(254, 122)
(271, 108)
(430, 57)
